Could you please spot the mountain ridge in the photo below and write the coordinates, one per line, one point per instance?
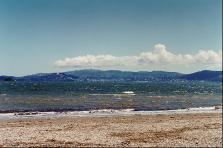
(117, 75)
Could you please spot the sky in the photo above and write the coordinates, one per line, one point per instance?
(135, 35)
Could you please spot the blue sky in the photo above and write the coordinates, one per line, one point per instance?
(36, 35)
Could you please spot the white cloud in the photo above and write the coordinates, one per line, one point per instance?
(98, 61)
(159, 58)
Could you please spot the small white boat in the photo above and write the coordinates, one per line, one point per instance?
(128, 92)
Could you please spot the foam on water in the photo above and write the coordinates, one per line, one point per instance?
(105, 112)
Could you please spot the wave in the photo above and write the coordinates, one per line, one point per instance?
(107, 112)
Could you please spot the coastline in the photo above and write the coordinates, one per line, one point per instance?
(106, 113)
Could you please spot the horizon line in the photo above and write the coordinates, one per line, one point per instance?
(109, 70)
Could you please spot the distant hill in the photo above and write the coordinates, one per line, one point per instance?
(116, 75)
(7, 78)
(205, 75)
(47, 77)
(123, 75)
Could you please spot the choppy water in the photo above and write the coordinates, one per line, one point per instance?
(79, 96)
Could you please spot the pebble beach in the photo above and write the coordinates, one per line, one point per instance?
(155, 130)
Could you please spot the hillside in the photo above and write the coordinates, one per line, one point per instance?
(205, 75)
(123, 75)
(116, 75)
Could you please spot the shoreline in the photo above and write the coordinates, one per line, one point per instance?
(106, 113)
(162, 130)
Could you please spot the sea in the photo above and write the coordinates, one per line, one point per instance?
(16, 97)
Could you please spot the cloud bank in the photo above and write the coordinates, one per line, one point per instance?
(159, 58)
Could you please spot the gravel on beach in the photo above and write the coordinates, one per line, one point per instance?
(176, 130)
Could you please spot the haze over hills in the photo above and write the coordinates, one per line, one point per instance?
(116, 75)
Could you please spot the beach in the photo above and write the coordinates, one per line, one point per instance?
(154, 130)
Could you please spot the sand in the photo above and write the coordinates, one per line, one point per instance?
(177, 130)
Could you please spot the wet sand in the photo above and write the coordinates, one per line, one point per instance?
(179, 130)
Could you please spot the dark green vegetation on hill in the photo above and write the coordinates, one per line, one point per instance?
(205, 75)
(115, 75)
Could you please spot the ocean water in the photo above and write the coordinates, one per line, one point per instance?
(83, 96)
